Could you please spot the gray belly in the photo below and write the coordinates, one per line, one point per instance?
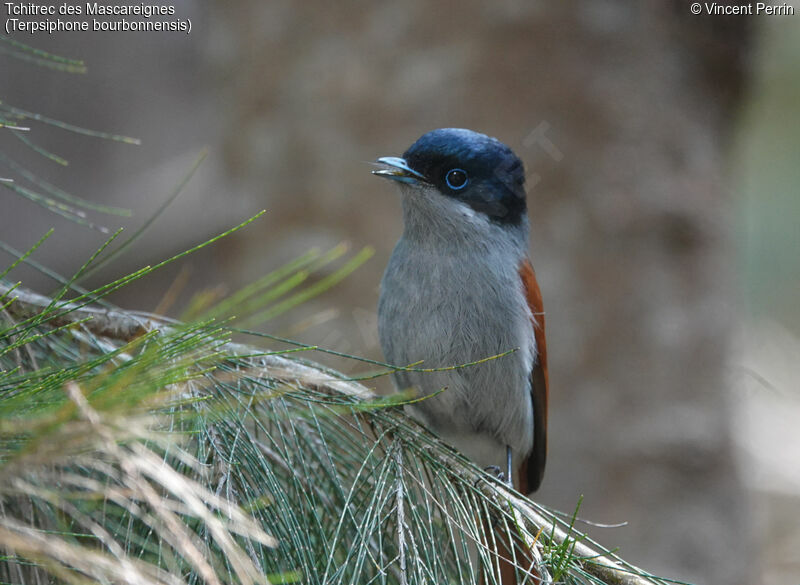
(451, 312)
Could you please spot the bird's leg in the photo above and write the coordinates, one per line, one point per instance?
(509, 477)
(506, 477)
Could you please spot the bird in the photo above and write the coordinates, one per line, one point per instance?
(459, 287)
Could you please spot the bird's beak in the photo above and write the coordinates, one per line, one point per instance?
(397, 169)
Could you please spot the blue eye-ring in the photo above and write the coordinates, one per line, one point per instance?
(456, 179)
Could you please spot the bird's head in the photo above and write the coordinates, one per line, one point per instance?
(452, 174)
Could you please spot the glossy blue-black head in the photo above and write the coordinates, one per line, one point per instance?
(468, 166)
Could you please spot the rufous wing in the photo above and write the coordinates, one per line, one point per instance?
(532, 467)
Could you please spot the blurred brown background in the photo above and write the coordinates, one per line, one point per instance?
(661, 151)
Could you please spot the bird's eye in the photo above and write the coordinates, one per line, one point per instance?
(456, 179)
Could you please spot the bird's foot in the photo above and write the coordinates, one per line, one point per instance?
(482, 482)
(496, 472)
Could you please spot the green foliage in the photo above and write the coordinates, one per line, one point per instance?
(163, 452)
(21, 124)
(18, 50)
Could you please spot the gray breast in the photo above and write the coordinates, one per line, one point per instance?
(452, 309)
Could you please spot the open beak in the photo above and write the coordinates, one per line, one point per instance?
(397, 169)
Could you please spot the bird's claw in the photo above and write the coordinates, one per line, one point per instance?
(497, 472)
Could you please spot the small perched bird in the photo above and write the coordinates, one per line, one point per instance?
(459, 288)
